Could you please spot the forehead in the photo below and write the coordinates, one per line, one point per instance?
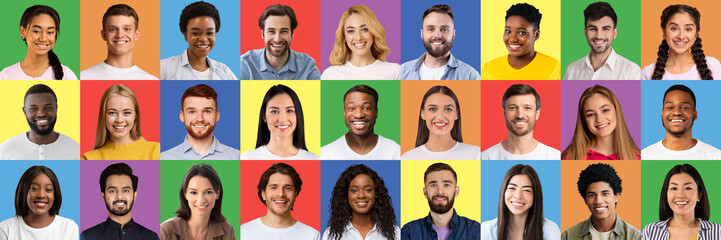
(522, 99)
(42, 20)
(202, 21)
(119, 20)
(521, 180)
(41, 179)
(354, 20)
(198, 102)
(437, 19)
(599, 186)
(596, 100)
(682, 18)
(199, 182)
(440, 99)
(359, 97)
(442, 175)
(678, 96)
(682, 178)
(118, 180)
(601, 22)
(280, 179)
(119, 102)
(277, 22)
(39, 99)
(282, 99)
(516, 21)
(362, 179)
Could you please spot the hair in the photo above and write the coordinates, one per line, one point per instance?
(364, 89)
(278, 10)
(264, 132)
(206, 171)
(439, 167)
(101, 132)
(598, 172)
(200, 90)
(118, 169)
(520, 89)
(533, 228)
(281, 168)
(40, 88)
(341, 53)
(527, 12)
(680, 87)
(703, 208)
(696, 49)
(626, 148)
(382, 213)
(198, 9)
(21, 192)
(439, 8)
(598, 10)
(25, 20)
(121, 9)
(423, 132)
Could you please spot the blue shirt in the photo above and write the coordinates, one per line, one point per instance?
(659, 231)
(300, 66)
(185, 151)
(461, 228)
(112, 230)
(455, 70)
(178, 68)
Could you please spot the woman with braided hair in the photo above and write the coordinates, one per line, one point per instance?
(680, 55)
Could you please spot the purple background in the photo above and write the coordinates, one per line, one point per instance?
(147, 204)
(627, 92)
(387, 11)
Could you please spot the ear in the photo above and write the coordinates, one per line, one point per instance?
(262, 194)
(262, 33)
(458, 190)
(217, 115)
(423, 114)
(137, 34)
(421, 33)
(454, 34)
(538, 34)
(182, 118)
(615, 32)
(538, 114)
(102, 196)
(425, 192)
(135, 195)
(217, 195)
(616, 197)
(185, 36)
(695, 114)
(22, 31)
(102, 35)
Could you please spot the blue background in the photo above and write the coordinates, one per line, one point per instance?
(172, 130)
(389, 170)
(549, 173)
(227, 42)
(466, 45)
(68, 173)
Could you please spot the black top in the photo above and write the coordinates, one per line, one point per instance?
(111, 230)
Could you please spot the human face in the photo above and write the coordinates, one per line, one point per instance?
(438, 34)
(40, 112)
(440, 113)
(680, 33)
(519, 194)
(519, 36)
(682, 194)
(360, 113)
(361, 194)
(39, 34)
(120, 118)
(201, 196)
(277, 35)
(521, 114)
(199, 115)
(280, 116)
(200, 36)
(279, 195)
(41, 195)
(600, 34)
(357, 36)
(119, 194)
(600, 115)
(440, 190)
(678, 114)
(601, 200)
(120, 34)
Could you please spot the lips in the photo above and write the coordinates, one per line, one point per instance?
(42, 45)
(201, 206)
(42, 121)
(281, 202)
(600, 209)
(440, 125)
(681, 204)
(601, 126)
(362, 203)
(40, 203)
(277, 45)
(514, 47)
(282, 127)
(359, 45)
(119, 128)
(517, 205)
(120, 203)
(440, 199)
(359, 124)
(599, 42)
(520, 123)
(680, 44)
(200, 125)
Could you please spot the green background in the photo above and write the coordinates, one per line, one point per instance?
(171, 177)
(67, 46)
(573, 43)
(653, 174)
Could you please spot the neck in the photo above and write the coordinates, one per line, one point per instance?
(598, 59)
(38, 221)
(277, 63)
(440, 143)
(199, 63)
(604, 225)
(521, 61)
(277, 221)
(605, 145)
(436, 62)
(675, 58)
(201, 146)
(282, 146)
(42, 139)
(36, 61)
(361, 144)
(124, 140)
(362, 220)
(198, 226)
(688, 220)
(120, 60)
(679, 143)
(520, 145)
(362, 61)
(518, 222)
(120, 219)
(442, 220)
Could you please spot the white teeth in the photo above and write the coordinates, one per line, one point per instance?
(280, 201)
(199, 126)
(681, 203)
(602, 126)
(119, 127)
(203, 46)
(680, 43)
(120, 204)
(41, 204)
(599, 41)
(276, 45)
(440, 124)
(514, 46)
(359, 45)
(676, 120)
(42, 121)
(201, 207)
(517, 204)
(283, 127)
(359, 123)
(520, 123)
(436, 43)
(600, 208)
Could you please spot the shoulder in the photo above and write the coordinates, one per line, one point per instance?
(303, 58)
(543, 58)
(66, 223)
(168, 62)
(647, 71)
(413, 225)
(712, 61)
(145, 231)
(306, 155)
(387, 142)
(490, 225)
(334, 146)
(68, 74)
(652, 150)
(551, 228)
(468, 147)
(305, 230)
(575, 230)
(249, 55)
(65, 140)
(707, 147)
(172, 225)
(413, 153)
(627, 63)
(14, 140)
(654, 228)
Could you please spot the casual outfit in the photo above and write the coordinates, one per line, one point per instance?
(692, 74)
(138, 150)
(378, 70)
(453, 70)
(21, 148)
(111, 230)
(255, 229)
(185, 151)
(489, 230)
(701, 151)
(351, 233)
(460, 228)
(659, 230)
(616, 67)
(541, 152)
(459, 151)
(300, 66)
(16, 228)
(542, 67)
(177, 229)
(262, 153)
(621, 231)
(593, 155)
(178, 68)
(15, 72)
(385, 149)
(103, 71)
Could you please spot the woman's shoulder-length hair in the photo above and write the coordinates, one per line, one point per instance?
(263, 131)
(341, 53)
(101, 132)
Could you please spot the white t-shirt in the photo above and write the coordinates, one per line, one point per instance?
(701, 151)
(262, 153)
(460, 151)
(596, 235)
(427, 73)
(60, 228)
(385, 149)
(377, 70)
(257, 230)
(351, 233)
(204, 75)
(489, 230)
(542, 152)
(103, 71)
(21, 148)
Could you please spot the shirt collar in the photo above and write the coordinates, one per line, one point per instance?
(618, 228)
(610, 61)
(186, 147)
(185, 62)
(455, 220)
(663, 225)
(117, 225)
(452, 61)
(349, 227)
(289, 66)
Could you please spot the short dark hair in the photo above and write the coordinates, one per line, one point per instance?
(439, 167)
(680, 87)
(278, 10)
(281, 168)
(200, 90)
(598, 10)
(121, 9)
(526, 11)
(206, 171)
(520, 89)
(21, 192)
(198, 9)
(40, 88)
(440, 8)
(118, 169)
(364, 89)
(702, 209)
(598, 172)
(263, 131)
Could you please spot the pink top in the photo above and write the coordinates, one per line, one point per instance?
(593, 155)
(691, 74)
(15, 72)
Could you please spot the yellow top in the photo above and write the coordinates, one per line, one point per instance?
(542, 67)
(138, 150)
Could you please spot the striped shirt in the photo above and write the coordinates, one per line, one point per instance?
(659, 231)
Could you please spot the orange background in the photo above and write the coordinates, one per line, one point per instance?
(651, 33)
(93, 49)
(468, 93)
(574, 208)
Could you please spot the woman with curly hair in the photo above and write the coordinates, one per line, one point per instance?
(360, 207)
(683, 58)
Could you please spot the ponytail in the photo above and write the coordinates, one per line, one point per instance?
(660, 61)
(57, 67)
(700, 60)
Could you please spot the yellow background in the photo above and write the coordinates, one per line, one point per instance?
(415, 205)
(68, 115)
(493, 22)
(251, 97)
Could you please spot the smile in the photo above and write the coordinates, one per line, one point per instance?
(282, 127)
(600, 209)
(362, 204)
(440, 199)
(599, 42)
(677, 120)
(41, 204)
(514, 47)
(281, 202)
(437, 43)
(119, 128)
(681, 203)
(517, 204)
(203, 46)
(43, 46)
(602, 126)
(204, 206)
(680, 43)
(360, 45)
(520, 123)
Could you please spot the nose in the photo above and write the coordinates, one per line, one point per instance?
(276, 37)
(513, 37)
(518, 195)
(41, 194)
(437, 33)
(597, 198)
(358, 113)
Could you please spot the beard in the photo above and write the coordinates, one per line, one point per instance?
(441, 208)
(34, 127)
(445, 47)
(119, 213)
(678, 133)
(202, 135)
(514, 131)
(602, 51)
(280, 53)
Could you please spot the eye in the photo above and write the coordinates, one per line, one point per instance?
(368, 190)
(193, 193)
(112, 113)
(507, 32)
(606, 110)
(511, 188)
(111, 191)
(365, 30)
(432, 185)
(522, 33)
(588, 115)
(209, 192)
(34, 188)
(689, 188)
(672, 188)
(274, 111)
(126, 191)
(284, 31)
(351, 109)
(432, 109)
(430, 29)
(446, 184)
(604, 194)
(444, 29)
(49, 189)
(36, 31)
(354, 190)
(289, 189)
(207, 111)
(290, 111)
(271, 31)
(127, 113)
(448, 109)
(527, 190)
(350, 31)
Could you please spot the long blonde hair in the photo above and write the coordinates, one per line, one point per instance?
(101, 132)
(341, 53)
(582, 140)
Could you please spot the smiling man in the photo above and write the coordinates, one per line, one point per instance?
(600, 187)
(278, 189)
(120, 32)
(360, 143)
(42, 142)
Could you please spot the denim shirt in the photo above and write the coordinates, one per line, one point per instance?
(300, 66)
(461, 228)
(455, 70)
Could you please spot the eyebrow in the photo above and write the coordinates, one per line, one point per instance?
(682, 102)
(688, 24)
(38, 26)
(126, 109)
(363, 25)
(197, 28)
(431, 25)
(524, 186)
